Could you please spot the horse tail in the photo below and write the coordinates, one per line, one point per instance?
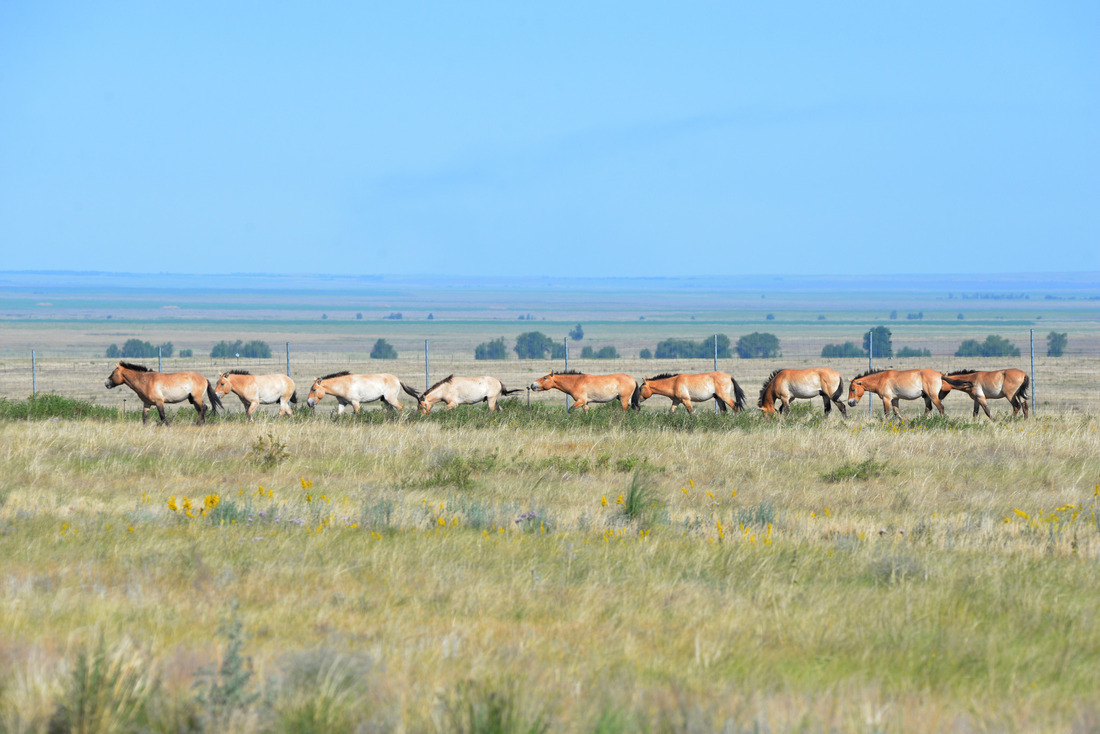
(505, 391)
(294, 397)
(409, 390)
(738, 396)
(1021, 394)
(636, 397)
(215, 401)
(839, 388)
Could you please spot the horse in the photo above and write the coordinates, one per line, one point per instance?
(158, 388)
(896, 385)
(785, 385)
(1010, 384)
(349, 389)
(464, 391)
(585, 389)
(256, 390)
(685, 388)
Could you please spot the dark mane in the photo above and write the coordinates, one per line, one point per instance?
(664, 376)
(566, 372)
(765, 386)
(961, 372)
(238, 372)
(136, 367)
(336, 374)
(868, 372)
(444, 381)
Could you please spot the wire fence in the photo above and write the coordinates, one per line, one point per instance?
(1058, 384)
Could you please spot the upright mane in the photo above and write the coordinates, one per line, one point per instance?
(444, 381)
(136, 367)
(765, 386)
(664, 376)
(238, 372)
(566, 372)
(336, 374)
(961, 372)
(868, 372)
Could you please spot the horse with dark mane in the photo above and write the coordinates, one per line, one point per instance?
(353, 390)
(683, 389)
(1010, 384)
(585, 389)
(255, 390)
(896, 385)
(784, 385)
(158, 388)
(464, 391)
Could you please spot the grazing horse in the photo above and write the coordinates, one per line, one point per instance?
(896, 385)
(1010, 384)
(255, 390)
(683, 389)
(585, 389)
(349, 389)
(464, 391)
(786, 385)
(158, 388)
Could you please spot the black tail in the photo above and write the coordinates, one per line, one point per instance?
(410, 391)
(636, 397)
(1021, 394)
(839, 389)
(215, 401)
(738, 396)
(294, 397)
(505, 391)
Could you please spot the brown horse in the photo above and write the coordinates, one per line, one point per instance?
(896, 385)
(349, 389)
(255, 390)
(464, 391)
(585, 389)
(158, 388)
(786, 385)
(1010, 384)
(683, 389)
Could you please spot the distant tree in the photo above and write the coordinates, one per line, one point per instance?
(358, 315)
(494, 349)
(588, 353)
(770, 317)
(882, 345)
(913, 352)
(324, 316)
(187, 353)
(601, 353)
(382, 349)
(758, 346)
(821, 317)
(893, 315)
(842, 351)
(138, 349)
(557, 350)
(533, 345)
(394, 316)
(577, 333)
(1056, 343)
(959, 317)
(645, 354)
(993, 346)
(256, 349)
(915, 316)
(430, 317)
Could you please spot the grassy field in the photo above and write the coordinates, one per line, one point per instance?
(531, 570)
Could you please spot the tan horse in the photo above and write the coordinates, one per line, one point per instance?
(585, 389)
(683, 389)
(158, 388)
(896, 385)
(786, 385)
(349, 389)
(464, 391)
(255, 390)
(1010, 384)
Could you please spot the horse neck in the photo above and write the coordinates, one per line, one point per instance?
(768, 403)
(663, 386)
(567, 383)
(873, 382)
(137, 381)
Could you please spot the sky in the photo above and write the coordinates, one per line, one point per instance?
(562, 139)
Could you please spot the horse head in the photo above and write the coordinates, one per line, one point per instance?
(646, 389)
(115, 378)
(224, 386)
(543, 383)
(855, 391)
(316, 393)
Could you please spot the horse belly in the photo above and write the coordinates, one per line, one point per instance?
(268, 394)
(909, 392)
(805, 389)
(469, 394)
(602, 393)
(176, 393)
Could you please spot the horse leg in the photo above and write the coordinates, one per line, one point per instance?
(886, 404)
(624, 400)
(825, 401)
(927, 402)
(284, 407)
(145, 412)
(723, 404)
(985, 407)
(843, 408)
(200, 407)
(163, 415)
(686, 402)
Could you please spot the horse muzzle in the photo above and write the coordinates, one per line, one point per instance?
(852, 402)
(311, 402)
(107, 384)
(534, 386)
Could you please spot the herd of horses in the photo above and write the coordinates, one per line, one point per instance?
(783, 386)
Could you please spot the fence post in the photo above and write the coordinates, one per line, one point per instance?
(34, 374)
(427, 381)
(715, 369)
(1033, 370)
(566, 340)
(870, 366)
(158, 360)
(288, 359)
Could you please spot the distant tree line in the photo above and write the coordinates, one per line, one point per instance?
(254, 349)
(138, 349)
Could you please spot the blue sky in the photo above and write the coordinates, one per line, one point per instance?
(602, 139)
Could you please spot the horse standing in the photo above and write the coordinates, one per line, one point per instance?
(1010, 384)
(158, 388)
(349, 389)
(683, 389)
(896, 385)
(786, 385)
(255, 390)
(464, 391)
(585, 389)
